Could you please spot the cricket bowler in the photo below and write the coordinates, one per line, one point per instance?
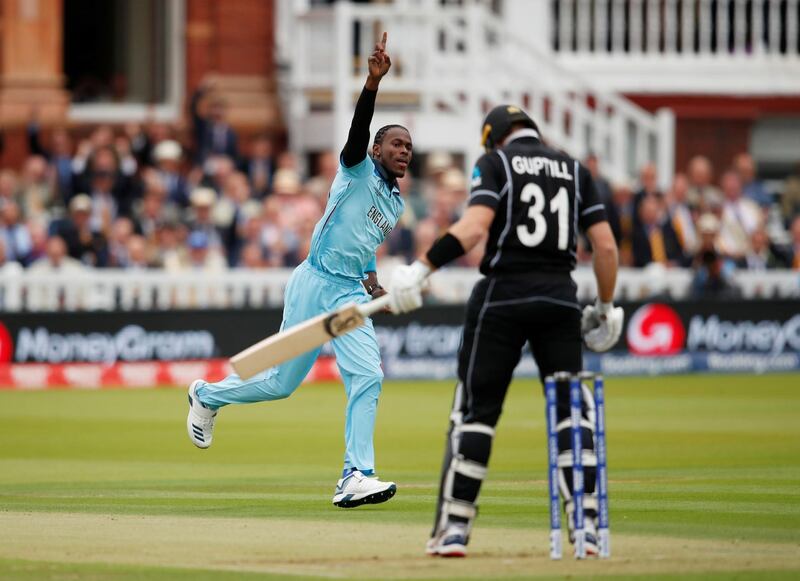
(364, 205)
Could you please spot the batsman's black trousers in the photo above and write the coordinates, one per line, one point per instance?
(504, 313)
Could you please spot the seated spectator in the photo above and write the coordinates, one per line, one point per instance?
(790, 198)
(260, 166)
(121, 232)
(795, 243)
(59, 156)
(14, 234)
(7, 267)
(137, 253)
(753, 188)
(201, 256)
(83, 243)
(648, 186)
(740, 218)
(712, 271)
(654, 240)
(167, 156)
(251, 257)
(280, 245)
(56, 259)
(201, 217)
(623, 207)
(212, 133)
(763, 254)
(111, 192)
(36, 190)
(8, 186)
(702, 192)
(680, 216)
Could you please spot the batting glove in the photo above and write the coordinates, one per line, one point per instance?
(406, 286)
(601, 325)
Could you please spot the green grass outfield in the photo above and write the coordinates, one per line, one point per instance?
(705, 483)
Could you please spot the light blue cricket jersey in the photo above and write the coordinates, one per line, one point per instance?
(363, 208)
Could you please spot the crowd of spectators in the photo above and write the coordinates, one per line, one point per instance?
(140, 197)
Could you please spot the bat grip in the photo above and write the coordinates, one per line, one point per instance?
(368, 309)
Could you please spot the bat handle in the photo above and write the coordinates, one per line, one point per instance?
(374, 306)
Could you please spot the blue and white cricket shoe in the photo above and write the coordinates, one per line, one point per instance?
(200, 421)
(356, 489)
(452, 542)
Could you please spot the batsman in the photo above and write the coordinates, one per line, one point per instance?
(530, 202)
(364, 205)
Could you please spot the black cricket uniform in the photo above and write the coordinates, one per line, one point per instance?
(542, 198)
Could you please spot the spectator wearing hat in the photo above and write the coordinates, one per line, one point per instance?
(167, 156)
(712, 270)
(83, 243)
(201, 219)
(201, 256)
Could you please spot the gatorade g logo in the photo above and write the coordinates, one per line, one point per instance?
(655, 329)
(6, 346)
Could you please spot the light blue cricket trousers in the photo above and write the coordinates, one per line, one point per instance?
(309, 293)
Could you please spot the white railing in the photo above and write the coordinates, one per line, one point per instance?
(451, 64)
(107, 290)
(720, 47)
(723, 28)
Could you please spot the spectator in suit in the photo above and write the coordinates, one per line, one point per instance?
(740, 217)
(167, 156)
(59, 156)
(753, 188)
(790, 197)
(680, 216)
(702, 192)
(212, 133)
(15, 236)
(112, 193)
(83, 244)
(260, 166)
(795, 233)
(654, 240)
(763, 255)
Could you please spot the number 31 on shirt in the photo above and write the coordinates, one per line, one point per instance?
(559, 206)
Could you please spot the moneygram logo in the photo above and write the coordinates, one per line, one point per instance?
(655, 329)
(6, 345)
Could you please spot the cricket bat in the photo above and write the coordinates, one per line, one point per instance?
(303, 337)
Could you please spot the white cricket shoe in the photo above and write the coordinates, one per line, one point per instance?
(356, 489)
(451, 542)
(200, 421)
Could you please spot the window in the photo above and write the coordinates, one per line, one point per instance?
(122, 56)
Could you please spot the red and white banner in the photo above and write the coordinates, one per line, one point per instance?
(140, 374)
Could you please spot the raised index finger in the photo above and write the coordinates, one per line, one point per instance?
(383, 41)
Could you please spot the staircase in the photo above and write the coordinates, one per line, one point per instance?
(451, 64)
